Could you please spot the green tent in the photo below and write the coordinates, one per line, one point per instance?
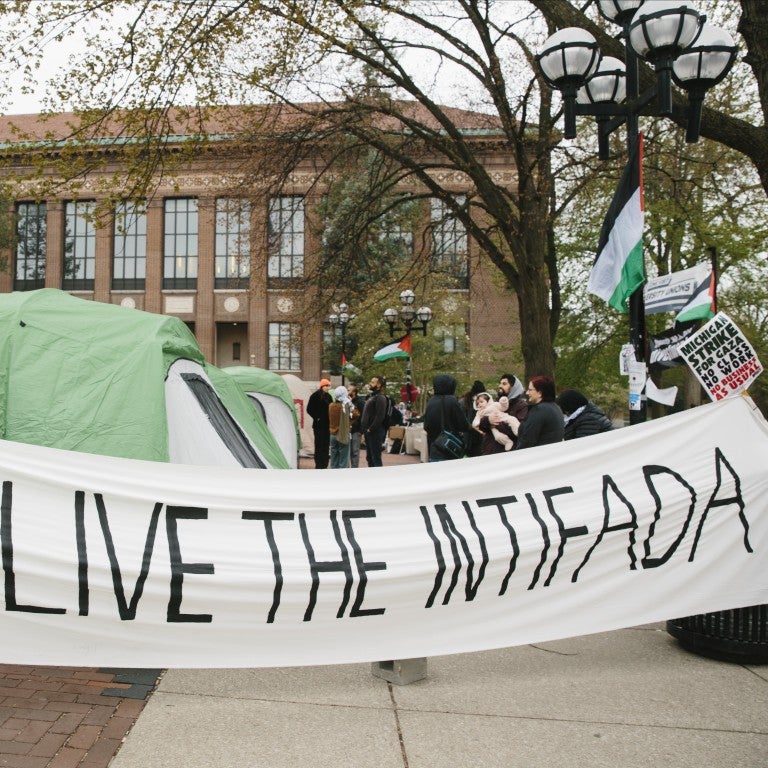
(98, 378)
(273, 400)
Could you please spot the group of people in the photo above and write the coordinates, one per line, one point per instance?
(340, 423)
(513, 420)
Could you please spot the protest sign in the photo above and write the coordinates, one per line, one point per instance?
(721, 357)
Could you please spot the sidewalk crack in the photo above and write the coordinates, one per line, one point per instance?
(397, 725)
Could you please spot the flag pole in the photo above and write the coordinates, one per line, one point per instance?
(636, 299)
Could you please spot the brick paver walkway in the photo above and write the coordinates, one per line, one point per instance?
(65, 717)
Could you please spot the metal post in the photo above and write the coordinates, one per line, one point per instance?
(343, 350)
(636, 300)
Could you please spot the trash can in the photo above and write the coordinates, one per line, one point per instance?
(739, 635)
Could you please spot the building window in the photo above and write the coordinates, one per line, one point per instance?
(286, 239)
(397, 228)
(79, 245)
(449, 242)
(180, 248)
(453, 338)
(284, 347)
(233, 243)
(30, 246)
(129, 270)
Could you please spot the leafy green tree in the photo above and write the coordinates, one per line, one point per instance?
(230, 52)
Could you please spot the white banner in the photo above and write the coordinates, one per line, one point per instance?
(111, 562)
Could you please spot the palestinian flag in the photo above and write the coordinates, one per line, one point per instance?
(399, 348)
(618, 270)
(702, 303)
(348, 367)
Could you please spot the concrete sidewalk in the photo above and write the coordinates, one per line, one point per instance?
(626, 699)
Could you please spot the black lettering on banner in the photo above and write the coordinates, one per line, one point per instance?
(471, 589)
(453, 535)
(649, 471)
(438, 556)
(545, 536)
(269, 518)
(83, 593)
(499, 503)
(6, 513)
(446, 523)
(362, 567)
(607, 527)
(179, 567)
(565, 533)
(127, 611)
(317, 567)
(714, 502)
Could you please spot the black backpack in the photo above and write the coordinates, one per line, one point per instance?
(389, 417)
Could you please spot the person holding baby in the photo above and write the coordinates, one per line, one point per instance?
(497, 427)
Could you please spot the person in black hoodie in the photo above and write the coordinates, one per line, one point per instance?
(582, 416)
(443, 411)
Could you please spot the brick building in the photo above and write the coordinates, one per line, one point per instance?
(200, 250)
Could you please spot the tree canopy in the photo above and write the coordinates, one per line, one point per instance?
(379, 76)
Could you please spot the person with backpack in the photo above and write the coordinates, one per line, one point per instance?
(374, 421)
(444, 414)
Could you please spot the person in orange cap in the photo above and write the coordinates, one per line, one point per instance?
(317, 408)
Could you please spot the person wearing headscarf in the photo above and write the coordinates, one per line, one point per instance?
(582, 416)
(512, 388)
(355, 431)
(341, 412)
(544, 423)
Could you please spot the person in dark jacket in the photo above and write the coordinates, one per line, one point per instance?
(544, 423)
(443, 411)
(372, 421)
(582, 416)
(317, 407)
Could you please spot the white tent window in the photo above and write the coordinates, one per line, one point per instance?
(222, 421)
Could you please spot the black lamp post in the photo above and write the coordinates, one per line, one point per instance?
(407, 316)
(672, 37)
(340, 316)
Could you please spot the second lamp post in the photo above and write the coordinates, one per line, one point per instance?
(408, 315)
(340, 316)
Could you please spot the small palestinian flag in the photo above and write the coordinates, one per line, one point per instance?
(399, 348)
(702, 303)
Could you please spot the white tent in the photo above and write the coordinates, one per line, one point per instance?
(272, 399)
(300, 391)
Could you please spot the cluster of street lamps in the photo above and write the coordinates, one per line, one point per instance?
(408, 316)
(668, 34)
(412, 319)
(340, 316)
(676, 40)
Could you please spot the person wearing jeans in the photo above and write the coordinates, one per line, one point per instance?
(372, 421)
